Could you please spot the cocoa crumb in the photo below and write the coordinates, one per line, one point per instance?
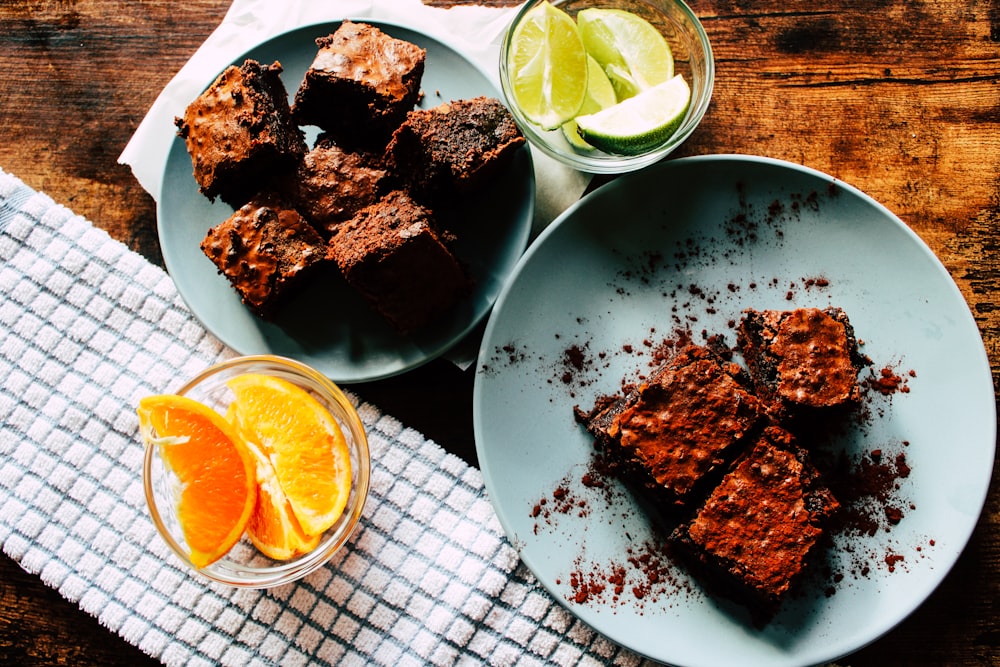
(887, 382)
(893, 559)
(894, 514)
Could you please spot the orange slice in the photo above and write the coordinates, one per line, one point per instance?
(217, 479)
(303, 443)
(273, 528)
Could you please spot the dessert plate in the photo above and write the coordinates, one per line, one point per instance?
(328, 326)
(681, 249)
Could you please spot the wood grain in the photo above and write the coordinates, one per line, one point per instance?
(900, 98)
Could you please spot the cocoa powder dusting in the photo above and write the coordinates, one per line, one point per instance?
(646, 575)
(869, 490)
(888, 382)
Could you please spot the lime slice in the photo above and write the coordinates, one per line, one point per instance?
(638, 123)
(600, 95)
(632, 52)
(548, 67)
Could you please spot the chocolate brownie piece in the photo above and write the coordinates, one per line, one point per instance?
(266, 251)
(360, 85)
(754, 534)
(804, 359)
(331, 184)
(454, 147)
(673, 431)
(239, 133)
(392, 254)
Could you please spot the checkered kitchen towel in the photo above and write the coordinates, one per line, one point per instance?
(87, 327)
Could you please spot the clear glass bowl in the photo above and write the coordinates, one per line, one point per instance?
(692, 58)
(244, 565)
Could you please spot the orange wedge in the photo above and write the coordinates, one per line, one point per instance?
(273, 528)
(217, 478)
(303, 443)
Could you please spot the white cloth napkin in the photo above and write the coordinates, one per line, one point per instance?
(87, 328)
(473, 31)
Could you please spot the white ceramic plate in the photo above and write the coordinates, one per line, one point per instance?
(690, 243)
(328, 326)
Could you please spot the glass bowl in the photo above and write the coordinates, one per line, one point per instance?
(244, 565)
(692, 57)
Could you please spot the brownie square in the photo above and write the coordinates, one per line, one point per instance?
(360, 85)
(239, 133)
(266, 251)
(454, 147)
(672, 432)
(391, 253)
(752, 537)
(332, 184)
(801, 360)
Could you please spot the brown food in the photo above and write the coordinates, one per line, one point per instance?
(266, 251)
(239, 133)
(360, 85)
(454, 147)
(801, 359)
(686, 421)
(754, 534)
(331, 185)
(391, 253)
(714, 443)
(245, 140)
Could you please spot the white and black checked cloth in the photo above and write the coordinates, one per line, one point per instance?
(87, 327)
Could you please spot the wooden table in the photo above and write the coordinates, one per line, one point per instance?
(898, 98)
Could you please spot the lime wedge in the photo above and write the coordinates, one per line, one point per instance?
(632, 52)
(548, 67)
(600, 95)
(638, 123)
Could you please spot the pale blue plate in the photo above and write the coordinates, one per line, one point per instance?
(691, 243)
(328, 326)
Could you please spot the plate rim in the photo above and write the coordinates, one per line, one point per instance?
(624, 182)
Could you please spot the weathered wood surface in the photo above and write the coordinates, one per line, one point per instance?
(900, 98)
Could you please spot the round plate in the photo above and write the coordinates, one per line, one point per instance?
(688, 244)
(328, 326)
